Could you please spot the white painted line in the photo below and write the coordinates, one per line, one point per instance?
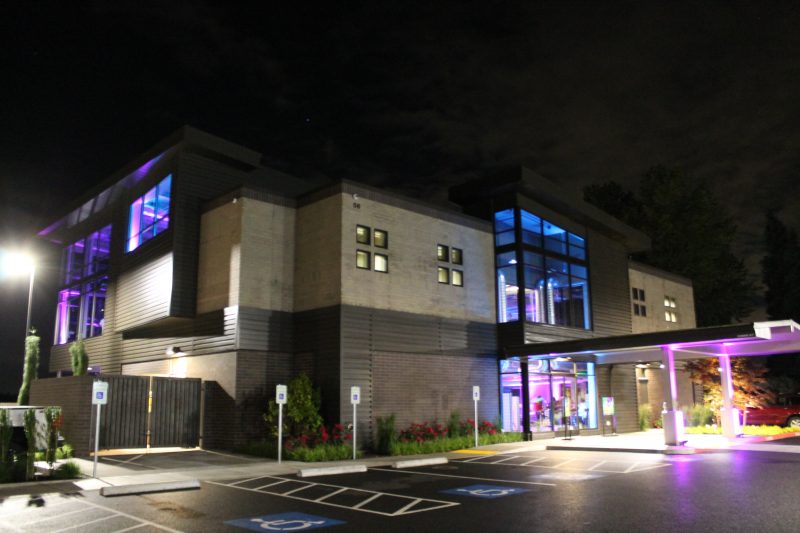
(365, 502)
(332, 470)
(20, 505)
(407, 507)
(563, 463)
(143, 488)
(504, 459)
(534, 461)
(517, 450)
(411, 463)
(103, 519)
(137, 526)
(269, 484)
(334, 493)
(304, 487)
(598, 464)
(55, 516)
(250, 479)
(630, 468)
(136, 518)
(474, 458)
(467, 477)
(644, 468)
(126, 462)
(444, 503)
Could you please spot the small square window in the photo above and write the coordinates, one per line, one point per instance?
(362, 234)
(381, 263)
(643, 309)
(458, 278)
(444, 275)
(636, 309)
(455, 256)
(362, 259)
(380, 238)
(634, 293)
(442, 252)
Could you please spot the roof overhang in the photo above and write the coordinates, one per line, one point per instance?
(758, 338)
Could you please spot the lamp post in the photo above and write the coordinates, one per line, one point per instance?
(15, 264)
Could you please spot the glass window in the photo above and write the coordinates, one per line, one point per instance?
(555, 238)
(73, 261)
(362, 259)
(455, 256)
(531, 229)
(98, 246)
(442, 252)
(68, 315)
(381, 238)
(149, 214)
(643, 309)
(94, 303)
(636, 309)
(577, 246)
(507, 294)
(504, 227)
(444, 275)
(381, 263)
(458, 278)
(362, 234)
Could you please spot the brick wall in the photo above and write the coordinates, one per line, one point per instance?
(74, 395)
(420, 387)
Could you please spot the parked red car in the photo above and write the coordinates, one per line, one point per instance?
(786, 412)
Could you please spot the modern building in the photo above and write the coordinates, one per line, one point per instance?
(198, 261)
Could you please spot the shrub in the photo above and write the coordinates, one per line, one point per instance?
(699, 415)
(53, 417)
(386, 434)
(30, 436)
(454, 427)
(645, 414)
(6, 431)
(31, 367)
(79, 358)
(325, 452)
(67, 470)
(301, 412)
(65, 451)
(446, 444)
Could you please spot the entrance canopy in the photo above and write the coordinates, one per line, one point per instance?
(758, 338)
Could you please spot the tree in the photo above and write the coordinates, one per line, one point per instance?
(79, 357)
(692, 235)
(781, 270)
(750, 387)
(31, 369)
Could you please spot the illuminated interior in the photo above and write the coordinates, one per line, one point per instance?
(562, 393)
(149, 214)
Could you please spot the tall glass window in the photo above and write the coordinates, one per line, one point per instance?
(81, 303)
(555, 270)
(149, 214)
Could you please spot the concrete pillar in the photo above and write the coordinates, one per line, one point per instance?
(728, 414)
(672, 415)
(526, 400)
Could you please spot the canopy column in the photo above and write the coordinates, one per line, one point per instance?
(729, 414)
(672, 415)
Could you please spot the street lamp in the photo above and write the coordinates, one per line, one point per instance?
(18, 264)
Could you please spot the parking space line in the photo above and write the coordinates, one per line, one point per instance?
(271, 484)
(465, 477)
(373, 495)
(76, 511)
(407, 507)
(471, 459)
(27, 508)
(137, 526)
(598, 464)
(334, 493)
(298, 489)
(136, 518)
(631, 468)
(564, 463)
(250, 479)
(365, 502)
(504, 459)
(533, 461)
(82, 524)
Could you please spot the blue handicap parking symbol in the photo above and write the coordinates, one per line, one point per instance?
(485, 491)
(284, 522)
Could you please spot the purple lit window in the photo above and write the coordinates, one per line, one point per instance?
(149, 214)
(69, 306)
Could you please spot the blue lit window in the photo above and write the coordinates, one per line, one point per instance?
(149, 215)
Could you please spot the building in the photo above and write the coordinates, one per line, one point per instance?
(197, 261)
(661, 301)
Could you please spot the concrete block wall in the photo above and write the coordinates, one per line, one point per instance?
(74, 395)
(422, 387)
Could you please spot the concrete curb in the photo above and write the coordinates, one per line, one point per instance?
(143, 488)
(331, 470)
(411, 463)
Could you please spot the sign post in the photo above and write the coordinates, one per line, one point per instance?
(609, 412)
(99, 397)
(355, 399)
(280, 399)
(476, 396)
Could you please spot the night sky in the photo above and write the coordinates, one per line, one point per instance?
(409, 95)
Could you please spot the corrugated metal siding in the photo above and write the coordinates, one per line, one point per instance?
(175, 420)
(142, 295)
(262, 329)
(608, 272)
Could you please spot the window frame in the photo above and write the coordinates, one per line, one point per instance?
(375, 257)
(136, 211)
(443, 253)
(385, 234)
(456, 255)
(439, 272)
(367, 234)
(368, 256)
(453, 276)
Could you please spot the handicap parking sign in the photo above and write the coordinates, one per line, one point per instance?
(485, 491)
(284, 522)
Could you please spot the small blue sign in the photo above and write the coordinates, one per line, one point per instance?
(284, 522)
(485, 491)
(99, 396)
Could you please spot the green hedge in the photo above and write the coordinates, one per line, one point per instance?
(323, 452)
(446, 444)
(760, 431)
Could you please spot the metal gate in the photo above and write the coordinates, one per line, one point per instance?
(150, 411)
